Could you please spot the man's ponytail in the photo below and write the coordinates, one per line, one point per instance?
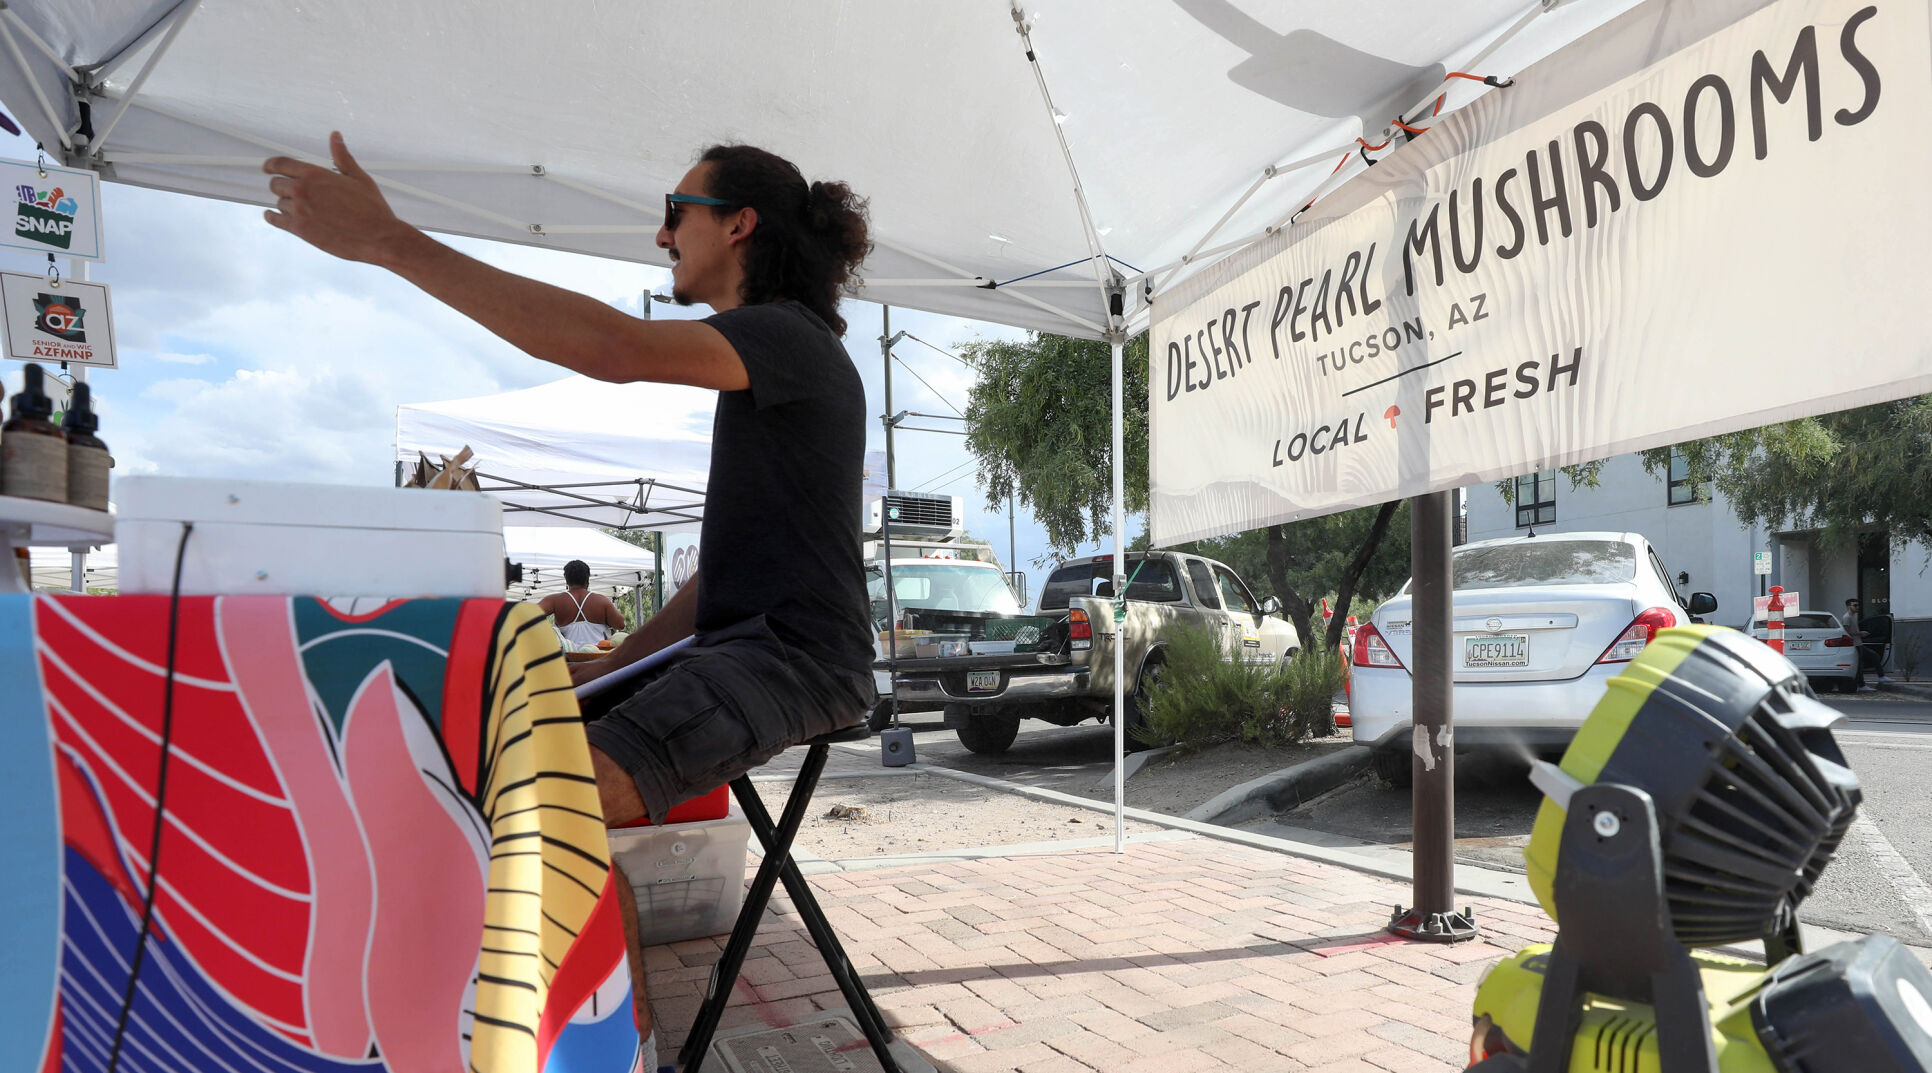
(810, 239)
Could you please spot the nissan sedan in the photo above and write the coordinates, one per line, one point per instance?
(1541, 624)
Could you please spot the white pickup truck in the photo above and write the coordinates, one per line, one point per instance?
(1057, 664)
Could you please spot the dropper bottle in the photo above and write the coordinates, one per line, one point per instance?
(33, 453)
(87, 457)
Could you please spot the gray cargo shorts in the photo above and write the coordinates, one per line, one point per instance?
(725, 705)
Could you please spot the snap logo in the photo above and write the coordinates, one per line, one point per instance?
(45, 216)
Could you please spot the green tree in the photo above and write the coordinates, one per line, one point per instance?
(1039, 421)
(1845, 472)
(647, 591)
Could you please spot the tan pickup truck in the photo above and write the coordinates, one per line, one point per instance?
(1058, 665)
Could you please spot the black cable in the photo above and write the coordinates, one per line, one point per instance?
(160, 804)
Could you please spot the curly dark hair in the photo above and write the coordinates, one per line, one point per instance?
(810, 239)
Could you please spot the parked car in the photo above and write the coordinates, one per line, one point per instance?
(1816, 643)
(1541, 623)
(926, 584)
(1058, 664)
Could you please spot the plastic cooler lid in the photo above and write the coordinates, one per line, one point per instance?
(340, 506)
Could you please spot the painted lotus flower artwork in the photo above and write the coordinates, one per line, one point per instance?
(377, 837)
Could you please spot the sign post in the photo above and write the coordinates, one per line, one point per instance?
(1761, 566)
(1433, 917)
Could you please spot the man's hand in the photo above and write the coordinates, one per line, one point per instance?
(340, 212)
(589, 670)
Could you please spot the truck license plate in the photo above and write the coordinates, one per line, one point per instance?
(1507, 650)
(982, 681)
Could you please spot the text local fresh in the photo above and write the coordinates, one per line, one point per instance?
(1649, 144)
(1464, 396)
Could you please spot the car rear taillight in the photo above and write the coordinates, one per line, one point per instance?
(1371, 650)
(1080, 629)
(1641, 631)
(1842, 641)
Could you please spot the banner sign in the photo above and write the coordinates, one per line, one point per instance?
(71, 323)
(1761, 606)
(55, 210)
(1728, 237)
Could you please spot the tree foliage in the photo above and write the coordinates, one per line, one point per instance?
(1039, 421)
(1843, 473)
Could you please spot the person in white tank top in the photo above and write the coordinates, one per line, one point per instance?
(583, 617)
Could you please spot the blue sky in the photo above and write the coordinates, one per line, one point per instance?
(244, 353)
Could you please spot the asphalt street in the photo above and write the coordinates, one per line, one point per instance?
(1881, 882)
(1878, 884)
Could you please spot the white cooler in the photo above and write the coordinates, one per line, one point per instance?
(276, 538)
(689, 878)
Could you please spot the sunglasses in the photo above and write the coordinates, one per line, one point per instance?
(673, 206)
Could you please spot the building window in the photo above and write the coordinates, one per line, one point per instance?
(1681, 489)
(1536, 499)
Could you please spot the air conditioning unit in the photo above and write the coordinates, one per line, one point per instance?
(918, 515)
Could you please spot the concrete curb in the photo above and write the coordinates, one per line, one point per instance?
(1280, 791)
(1922, 690)
(1135, 761)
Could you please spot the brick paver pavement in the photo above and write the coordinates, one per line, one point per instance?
(1195, 954)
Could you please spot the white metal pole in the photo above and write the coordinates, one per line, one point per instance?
(1120, 591)
(77, 269)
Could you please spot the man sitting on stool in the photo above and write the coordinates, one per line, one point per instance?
(779, 608)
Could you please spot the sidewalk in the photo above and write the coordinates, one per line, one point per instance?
(1186, 953)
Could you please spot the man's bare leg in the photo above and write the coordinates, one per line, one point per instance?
(618, 794)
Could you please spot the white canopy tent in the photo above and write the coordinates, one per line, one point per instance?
(581, 452)
(1010, 174)
(1061, 177)
(577, 451)
(542, 551)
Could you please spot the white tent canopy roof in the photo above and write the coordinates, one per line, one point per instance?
(1189, 125)
(577, 451)
(544, 549)
(582, 452)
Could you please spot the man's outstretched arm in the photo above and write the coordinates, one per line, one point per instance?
(343, 213)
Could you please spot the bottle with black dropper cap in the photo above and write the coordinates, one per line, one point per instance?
(33, 453)
(87, 457)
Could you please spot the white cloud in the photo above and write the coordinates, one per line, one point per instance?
(168, 357)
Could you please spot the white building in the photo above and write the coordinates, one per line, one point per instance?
(1706, 542)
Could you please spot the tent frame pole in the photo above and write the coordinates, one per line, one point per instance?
(178, 18)
(1433, 755)
(1119, 347)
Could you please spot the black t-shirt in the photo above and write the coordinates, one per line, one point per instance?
(781, 513)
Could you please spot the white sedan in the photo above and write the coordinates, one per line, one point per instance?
(1541, 624)
(1816, 643)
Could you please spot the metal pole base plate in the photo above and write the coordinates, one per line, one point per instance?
(1450, 927)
